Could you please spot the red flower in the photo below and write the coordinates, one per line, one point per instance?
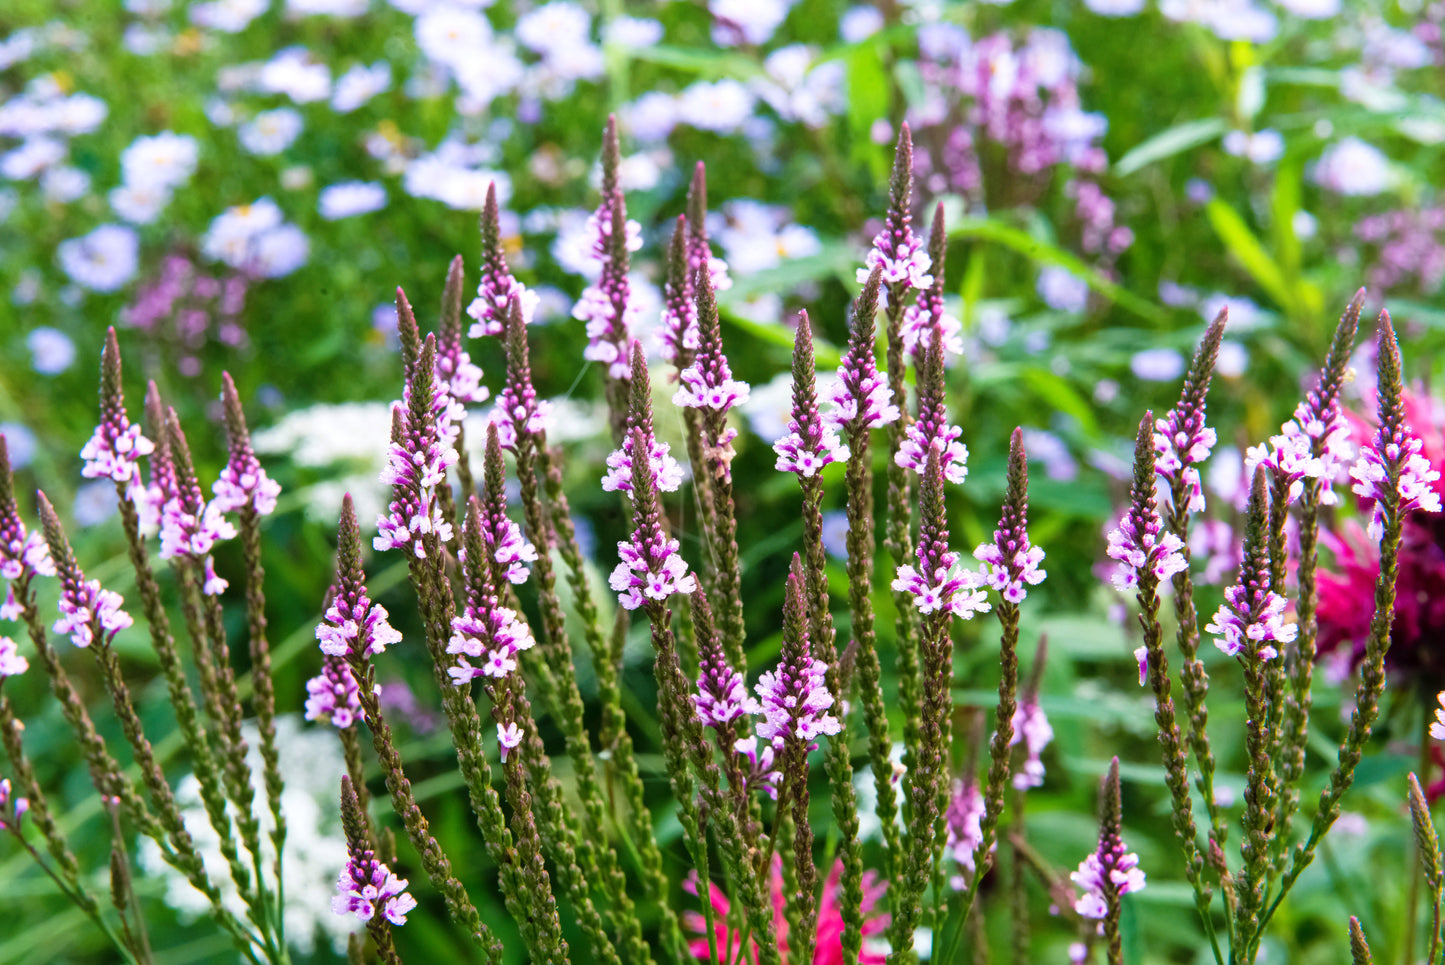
(830, 921)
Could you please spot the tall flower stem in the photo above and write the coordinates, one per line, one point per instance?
(560, 689)
(1147, 556)
(1323, 422)
(1187, 420)
(839, 761)
(1389, 505)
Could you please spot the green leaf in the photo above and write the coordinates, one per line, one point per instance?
(1169, 142)
(1248, 251)
(868, 90)
(1042, 252)
(706, 62)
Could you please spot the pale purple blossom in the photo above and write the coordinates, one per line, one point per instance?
(332, 695)
(1401, 454)
(1251, 618)
(367, 887)
(355, 627)
(1437, 727)
(931, 431)
(860, 397)
(651, 570)
(722, 694)
(115, 449)
(1009, 572)
(416, 465)
(807, 460)
(1121, 869)
(21, 551)
(86, 608)
(1140, 545)
(666, 471)
(607, 305)
(1182, 441)
(509, 737)
(489, 633)
(12, 808)
(11, 663)
(762, 771)
(946, 586)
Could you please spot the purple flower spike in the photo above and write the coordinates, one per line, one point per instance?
(354, 627)
(11, 663)
(1395, 452)
(366, 888)
(518, 409)
(242, 482)
(931, 430)
(20, 551)
(485, 630)
(762, 772)
(457, 375)
(722, 695)
(651, 570)
(896, 250)
(1139, 545)
(607, 305)
(117, 445)
(1251, 619)
(419, 456)
(190, 526)
(679, 306)
(666, 472)
(1110, 871)
(794, 697)
(497, 287)
(861, 398)
(811, 442)
(1012, 563)
(939, 584)
(699, 251)
(87, 612)
(332, 695)
(1181, 440)
(928, 311)
(708, 382)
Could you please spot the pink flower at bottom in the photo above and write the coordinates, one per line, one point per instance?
(829, 949)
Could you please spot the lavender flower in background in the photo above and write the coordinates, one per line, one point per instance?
(1032, 729)
(964, 819)
(12, 808)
